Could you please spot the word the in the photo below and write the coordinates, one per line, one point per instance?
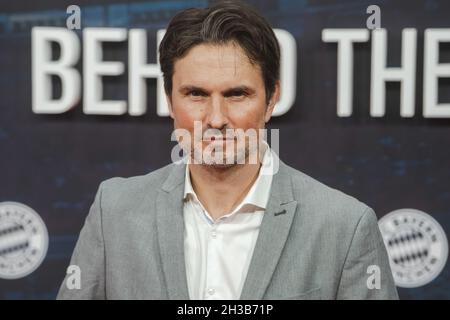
(380, 73)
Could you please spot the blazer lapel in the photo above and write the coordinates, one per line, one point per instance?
(170, 228)
(272, 236)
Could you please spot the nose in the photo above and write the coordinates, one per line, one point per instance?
(217, 115)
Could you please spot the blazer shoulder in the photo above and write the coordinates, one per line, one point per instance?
(323, 200)
(154, 178)
(126, 192)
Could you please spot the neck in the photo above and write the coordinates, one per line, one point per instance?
(221, 189)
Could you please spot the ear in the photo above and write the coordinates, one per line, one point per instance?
(169, 103)
(273, 101)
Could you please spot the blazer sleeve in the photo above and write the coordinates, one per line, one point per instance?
(89, 257)
(366, 273)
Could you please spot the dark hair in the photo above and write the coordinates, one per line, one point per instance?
(221, 23)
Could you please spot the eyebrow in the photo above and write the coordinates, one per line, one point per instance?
(227, 92)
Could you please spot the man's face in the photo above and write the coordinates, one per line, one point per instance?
(218, 86)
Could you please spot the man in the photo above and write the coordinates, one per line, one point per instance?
(215, 229)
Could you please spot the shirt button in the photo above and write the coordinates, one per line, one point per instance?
(211, 291)
(214, 234)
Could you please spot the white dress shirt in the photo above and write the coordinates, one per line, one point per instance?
(218, 253)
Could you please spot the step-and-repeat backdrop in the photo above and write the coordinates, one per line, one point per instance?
(365, 108)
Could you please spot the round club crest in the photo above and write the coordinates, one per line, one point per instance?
(23, 240)
(416, 244)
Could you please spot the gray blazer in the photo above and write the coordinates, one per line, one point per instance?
(315, 242)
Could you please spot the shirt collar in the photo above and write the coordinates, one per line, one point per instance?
(258, 195)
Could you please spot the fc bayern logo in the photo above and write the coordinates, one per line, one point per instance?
(23, 240)
(416, 244)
